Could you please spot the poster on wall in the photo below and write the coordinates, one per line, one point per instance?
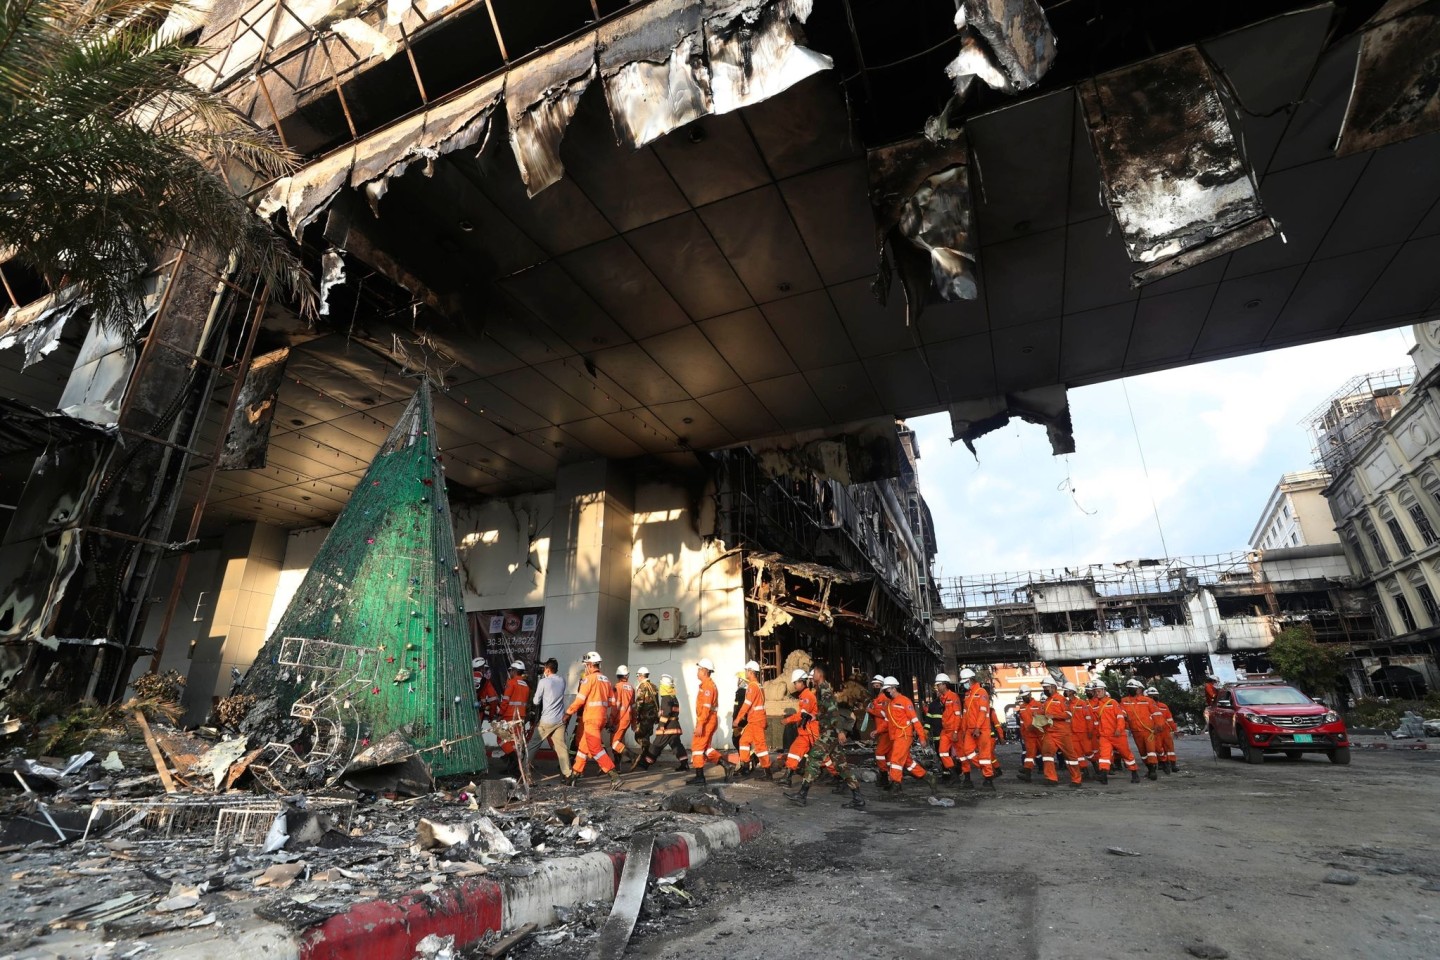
(504, 636)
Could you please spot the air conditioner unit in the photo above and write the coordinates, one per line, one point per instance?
(660, 625)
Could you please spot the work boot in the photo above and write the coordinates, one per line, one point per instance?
(570, 778)
(882, 783)
(614, 779)
(930, 780)
(767, 773)
(1026, 774)
(682, 766)
(1074, 786)
(789, 775)
(897, 788)
(989, 784)
(857, 802)
(965, 782)
(948, 775)
(1084, 773)
(1103, 776)
(1052, 783)
(1165, 767)
(801, 797)
(1174, 766)
(729, 771)
(742, 772)
(1150, 773)
(698, 779)
(1134, 776)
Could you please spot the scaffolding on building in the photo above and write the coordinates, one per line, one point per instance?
(1343, 424)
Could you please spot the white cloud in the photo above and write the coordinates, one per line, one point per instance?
(1216, 437)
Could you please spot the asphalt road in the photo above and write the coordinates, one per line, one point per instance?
(1232, 860)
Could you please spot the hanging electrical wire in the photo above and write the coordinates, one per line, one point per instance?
(1149, 488)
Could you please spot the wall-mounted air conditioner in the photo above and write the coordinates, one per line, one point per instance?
(660, 625)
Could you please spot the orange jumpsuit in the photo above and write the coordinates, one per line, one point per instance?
(905, 726)
(752, 735)
(624, 714)
(1082, 725)
(979, 744)
(707, 721)
(1029, 736)
(1144, 721)
(489, 700)
(809, 729)
(876, 709)
(951, 736)
(594, 696)
(998, 725)
(517, 701)
(1110, 729)
(1165, 729)
(1058, 737)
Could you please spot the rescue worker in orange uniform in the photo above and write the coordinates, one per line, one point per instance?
(1025, 713)
(485, 690)
(977, 725)
(1143, 718)
(951, 737)
(905, 728)
(593, 698)
(875, 709)
(512, 710)
(1110, 732)
(1082, 727)
(707, 723)
(1058, 736)
(624, 710)
(807, 729)
(1212, 692)
(1165, 729)
(751, 721)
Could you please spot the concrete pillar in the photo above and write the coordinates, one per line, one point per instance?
(587, 585)
(251, 557)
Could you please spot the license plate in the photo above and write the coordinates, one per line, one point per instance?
(1303, 738)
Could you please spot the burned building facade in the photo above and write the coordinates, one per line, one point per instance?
(626, 241)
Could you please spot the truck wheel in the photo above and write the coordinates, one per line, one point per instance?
(1340, 755)
(1254, 754)
(1222, 752)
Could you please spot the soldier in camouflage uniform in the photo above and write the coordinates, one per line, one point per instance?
(647, 711)
(826, 752)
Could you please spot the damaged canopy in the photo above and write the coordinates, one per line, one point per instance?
(1171, 167)
(1048, 407)
(1396, 95)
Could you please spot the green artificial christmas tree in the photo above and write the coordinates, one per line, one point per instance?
(375, 640)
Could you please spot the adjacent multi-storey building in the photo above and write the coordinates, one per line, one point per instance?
(1379, 438)
(1297, 514)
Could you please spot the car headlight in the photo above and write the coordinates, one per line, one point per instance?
(1331, 716)
(1252, 718)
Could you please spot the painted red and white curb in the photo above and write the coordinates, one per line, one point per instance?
(390, 929)
(1391, 745)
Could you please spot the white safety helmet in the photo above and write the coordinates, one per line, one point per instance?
(1025, 691)
(666, 678)
(706, 664)
(517, 665)
(752, 665)
(942, 678)
(622, 671)
(1048, 682)
(1151, 692)
(1133, 684)
(643, 671)
(1070, 687)
(891, 682)
(477, 663)
(1096, 684)
(967, 674)
(878, 679)
(591, 657)
(797, 675)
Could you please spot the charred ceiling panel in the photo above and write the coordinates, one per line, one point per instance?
(36, 327)
(1171, 168)
(1397, 78)
(1047, 406)
(652, 62)
(1007, 44)
(920, 193)
(305, 195)
(249, 435)
(754, 50)
(863, 453)
(541, 96)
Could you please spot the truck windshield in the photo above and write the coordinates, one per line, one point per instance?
(1271, 696)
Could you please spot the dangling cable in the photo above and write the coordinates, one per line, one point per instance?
(1149, 488)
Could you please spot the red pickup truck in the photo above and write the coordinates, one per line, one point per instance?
(1267, 716)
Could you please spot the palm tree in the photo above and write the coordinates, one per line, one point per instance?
(109, 154)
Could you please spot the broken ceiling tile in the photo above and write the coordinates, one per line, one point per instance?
(1047, 406)
(249, 435)
(1396, 95)
(754, 49)
(652, 63)
(1007, 44)
(305, 195)
(1171, 168)
(920, 194)
(332, 274)
(37, 326)
(541, 96)
(370, 42)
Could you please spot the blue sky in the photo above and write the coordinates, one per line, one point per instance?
(1216, 438)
